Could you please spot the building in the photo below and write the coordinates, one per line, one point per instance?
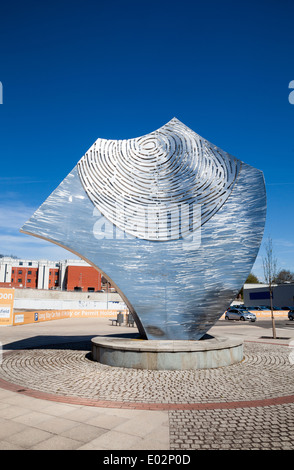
(258, 294)
(70, 275)
(82, 278)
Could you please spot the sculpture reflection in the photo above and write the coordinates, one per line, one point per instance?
(174, 222)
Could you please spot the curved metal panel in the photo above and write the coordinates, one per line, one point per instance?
(178, 253)
(138, 184)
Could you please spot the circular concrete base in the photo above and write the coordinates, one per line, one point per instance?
(206, 353)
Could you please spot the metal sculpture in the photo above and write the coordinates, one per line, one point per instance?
(174, 222)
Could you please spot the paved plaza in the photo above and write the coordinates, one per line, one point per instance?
(53, 396)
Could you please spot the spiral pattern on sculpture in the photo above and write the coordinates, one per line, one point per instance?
(148, 186)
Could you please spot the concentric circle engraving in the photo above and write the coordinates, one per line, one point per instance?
(152, 186)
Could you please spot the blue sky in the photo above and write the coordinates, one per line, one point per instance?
(73, 71)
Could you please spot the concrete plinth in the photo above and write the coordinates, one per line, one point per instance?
(207, 353)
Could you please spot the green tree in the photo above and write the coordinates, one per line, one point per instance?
(252, 279)
(284, 276)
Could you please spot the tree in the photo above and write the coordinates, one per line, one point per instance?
(252, 279)
(284, 276)
(9, 256)
(270, 273)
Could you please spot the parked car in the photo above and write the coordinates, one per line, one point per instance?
(291, 314)
(274, 307)
(239, 307)
(239, 314)
(259, 307)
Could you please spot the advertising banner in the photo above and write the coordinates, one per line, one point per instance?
(36, 316)
(6, 306)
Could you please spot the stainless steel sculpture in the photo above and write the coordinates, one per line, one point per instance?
(172, 221)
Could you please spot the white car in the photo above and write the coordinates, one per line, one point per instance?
(239, 314)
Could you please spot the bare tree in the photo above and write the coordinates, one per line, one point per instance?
(270, 273)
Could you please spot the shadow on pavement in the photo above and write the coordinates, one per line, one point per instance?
(61, 342)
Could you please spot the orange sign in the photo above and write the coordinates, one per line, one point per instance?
(6, 306)
(36, 316)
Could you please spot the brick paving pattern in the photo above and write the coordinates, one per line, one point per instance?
(265, 372)
(257, 428)
(249, 405)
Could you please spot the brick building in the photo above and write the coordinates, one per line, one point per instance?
(82, 278)
(70, 275)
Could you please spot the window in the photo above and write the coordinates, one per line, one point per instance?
(28, 281)
(20, 263)
(13, 271)
(20, 271)
(259, 295)
(29, 272)
(19, 280)
(30, 263)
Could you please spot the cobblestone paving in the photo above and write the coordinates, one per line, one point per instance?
(265, 372)
(261, 428)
